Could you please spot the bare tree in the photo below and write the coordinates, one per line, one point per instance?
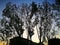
(15, 21)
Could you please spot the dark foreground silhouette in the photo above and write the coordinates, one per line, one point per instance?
(22, 41)
(54, 41)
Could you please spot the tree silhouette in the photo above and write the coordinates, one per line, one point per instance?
(15, 21)
(27, 17)
(34, 9)
(57, 2)
(45, 21)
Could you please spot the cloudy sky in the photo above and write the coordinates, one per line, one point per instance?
(18, 2)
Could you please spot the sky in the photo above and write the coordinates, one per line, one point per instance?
(19, 2)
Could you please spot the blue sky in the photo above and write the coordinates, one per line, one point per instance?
(18, 2)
